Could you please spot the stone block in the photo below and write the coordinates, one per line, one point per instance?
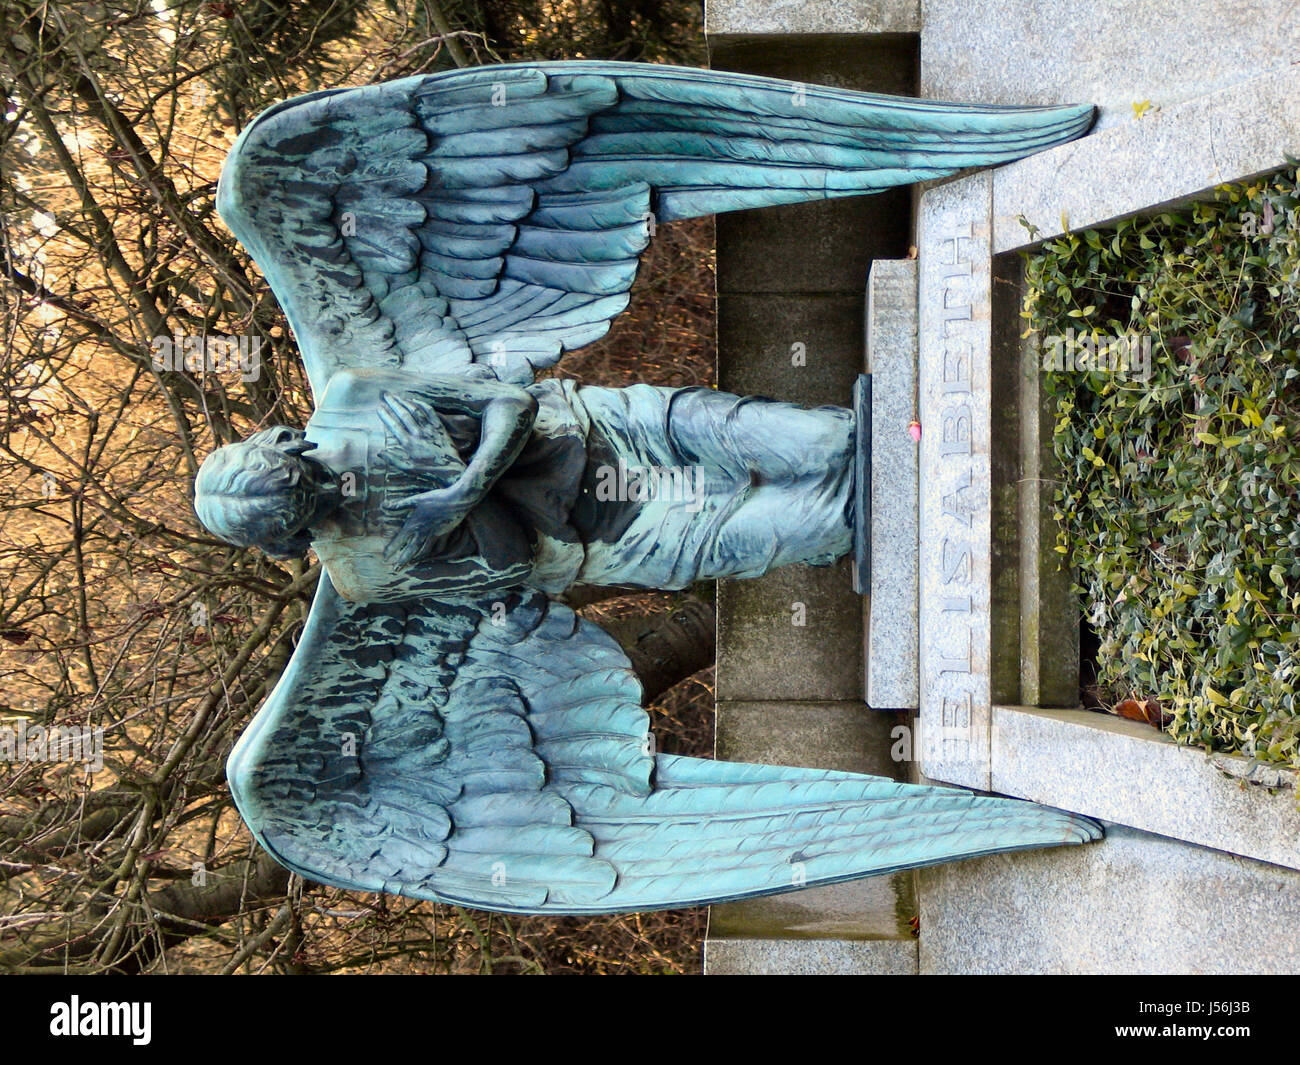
(816, 735)
(800, 17)
(810, 957)
(955, 397)
(799, 348)
(826, 246)
(863, 61)
(1125, 771)
(891, 611)
(877, 907)
(795, 634)
(815, 929)
(1133, 903)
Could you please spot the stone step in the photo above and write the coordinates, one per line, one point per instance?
(857, 927)
(792, 635)
(790, 645)
(808, 957)
(809, 19)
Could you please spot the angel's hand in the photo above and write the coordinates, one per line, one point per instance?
(432, 515)
(417, 430)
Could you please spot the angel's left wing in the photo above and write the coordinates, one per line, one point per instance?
(493, 218)
(494, 753)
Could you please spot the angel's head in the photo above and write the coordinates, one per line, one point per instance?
(265, 492)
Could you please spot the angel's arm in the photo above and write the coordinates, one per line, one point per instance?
(506, 414)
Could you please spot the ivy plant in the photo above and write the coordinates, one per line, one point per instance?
(1179, 506)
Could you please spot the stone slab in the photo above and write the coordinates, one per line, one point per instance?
(826, 246)
(794, 17)
(1166, 157)
(1112, 53)
(842, 735)
(810, 957)
(1124, 771)
(804, 349)
(795, 634)
(954, 398)
(1132, 903)
(891, 613)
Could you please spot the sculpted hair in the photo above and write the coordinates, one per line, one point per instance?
(259, 493)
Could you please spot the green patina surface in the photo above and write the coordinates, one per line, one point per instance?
(445, 730)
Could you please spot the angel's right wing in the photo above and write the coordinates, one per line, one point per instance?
(421, 748)
(487, 220)
(494, 753)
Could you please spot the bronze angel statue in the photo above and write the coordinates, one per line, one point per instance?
(447, 729)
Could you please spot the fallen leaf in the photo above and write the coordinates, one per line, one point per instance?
(1147, 711)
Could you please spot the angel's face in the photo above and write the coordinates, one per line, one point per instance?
(263, 492)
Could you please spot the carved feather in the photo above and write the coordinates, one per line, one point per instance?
(498, 214)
